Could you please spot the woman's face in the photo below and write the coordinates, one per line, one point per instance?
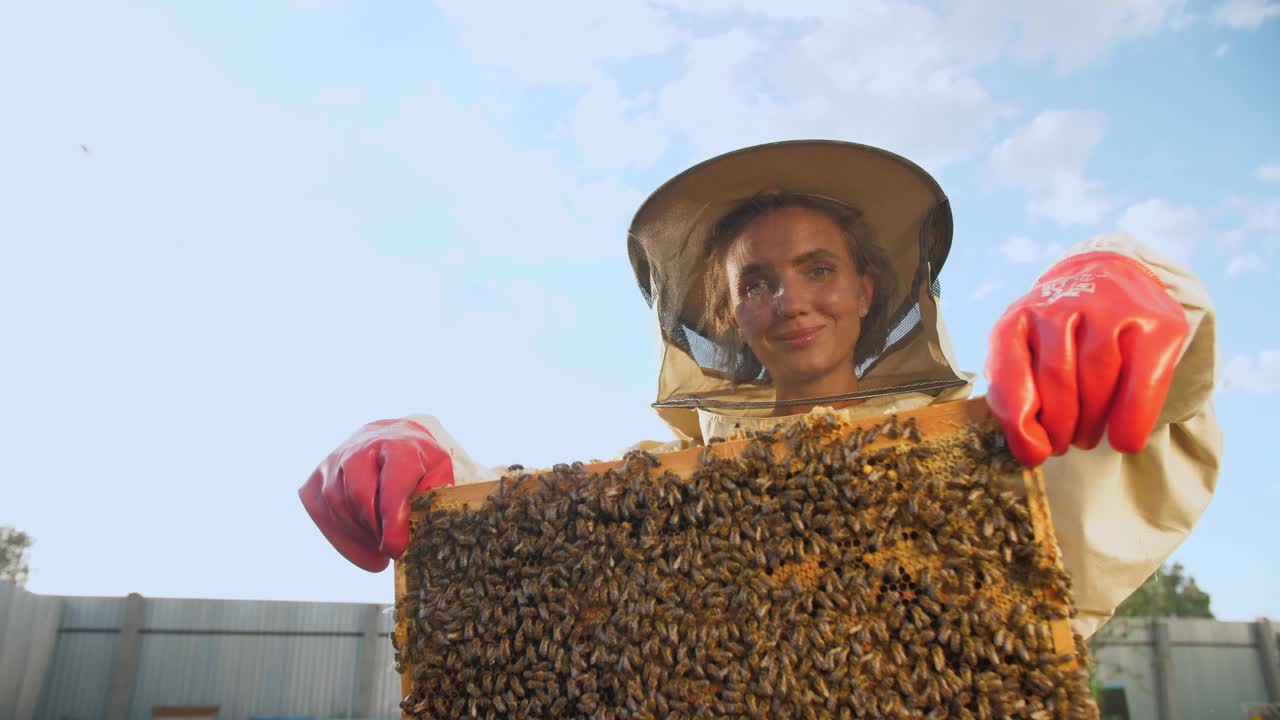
(798, 300)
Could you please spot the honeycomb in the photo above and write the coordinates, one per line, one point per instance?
(824, 571)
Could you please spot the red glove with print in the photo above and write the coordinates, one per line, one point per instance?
(1092, 347)
(359, 496)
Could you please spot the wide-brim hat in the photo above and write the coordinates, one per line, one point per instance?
(902, 206)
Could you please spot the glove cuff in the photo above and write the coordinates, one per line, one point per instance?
(1093, 261)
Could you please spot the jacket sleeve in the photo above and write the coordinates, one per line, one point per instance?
(465, 470)
(1117, 516)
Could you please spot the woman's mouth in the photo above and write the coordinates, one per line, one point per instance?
(797, 339)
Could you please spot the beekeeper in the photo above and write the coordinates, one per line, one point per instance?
(803, 276)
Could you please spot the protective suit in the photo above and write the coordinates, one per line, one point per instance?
(1117, 515)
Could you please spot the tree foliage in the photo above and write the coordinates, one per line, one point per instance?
(1169, 592)
(14, 545)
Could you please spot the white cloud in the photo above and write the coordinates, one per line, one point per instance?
(1244, 263)
(985, 289)
(1070, 35)
(1270, 172)
(1255, 374)
(1263, 216)
(1054, 142)
(1071, 200)
(1074, 35)
(1245, 14)
(1022, 250)
(503, 196)
(1253, 236)
(565, 42)
(1254, 215)
(900, 75)
(1047, 157)
(604, 116)
(889, 77)
(1175, 231)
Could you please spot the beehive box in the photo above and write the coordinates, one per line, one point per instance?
(895, 567)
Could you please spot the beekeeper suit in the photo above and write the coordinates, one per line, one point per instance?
(1113, 338)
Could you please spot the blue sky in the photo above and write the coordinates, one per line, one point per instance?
(292, 218)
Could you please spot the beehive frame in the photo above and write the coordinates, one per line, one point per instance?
(933, 422)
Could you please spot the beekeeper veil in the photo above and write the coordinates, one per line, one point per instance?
(901, 210)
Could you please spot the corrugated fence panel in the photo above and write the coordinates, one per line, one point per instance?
(247, 674)
(44, 638)
(1215, 668)
(251, 657)
(77, 683)
(79, 677)
(387, 619)
(292, 658)
(1129, 666)
(252, 615)
(28, 634)
(1216, 682)
(1202, 631)
(386, 692)
(1125, 630)
(1123, 654)
(92, 612)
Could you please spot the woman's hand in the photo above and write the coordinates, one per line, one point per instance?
(1090, 349)
(359, 496)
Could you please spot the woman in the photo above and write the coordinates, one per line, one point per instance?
(802, 276)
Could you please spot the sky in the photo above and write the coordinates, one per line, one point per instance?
(233, 232)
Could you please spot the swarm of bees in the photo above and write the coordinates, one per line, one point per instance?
(812, 575)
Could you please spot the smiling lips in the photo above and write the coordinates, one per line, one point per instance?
(797, 339)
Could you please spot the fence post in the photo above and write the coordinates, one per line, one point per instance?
(124, 670)
(1162, 661)
(1269, 656)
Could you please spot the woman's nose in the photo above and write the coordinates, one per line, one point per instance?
(789, 300)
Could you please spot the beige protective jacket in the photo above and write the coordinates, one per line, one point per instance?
(1117, 517)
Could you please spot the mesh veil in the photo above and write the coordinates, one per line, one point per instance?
(905, 213)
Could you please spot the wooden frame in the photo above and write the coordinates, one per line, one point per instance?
(935, 421)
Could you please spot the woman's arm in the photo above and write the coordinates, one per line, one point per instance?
(1118, 516)
(465, 470)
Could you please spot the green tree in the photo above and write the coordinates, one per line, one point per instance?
(1169, 592)
(14, 545)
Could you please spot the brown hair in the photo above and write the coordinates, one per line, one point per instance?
(868, 259)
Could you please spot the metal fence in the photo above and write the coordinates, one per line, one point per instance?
(1187, 669)
(135, 657)
(82, 658)
(28, 631)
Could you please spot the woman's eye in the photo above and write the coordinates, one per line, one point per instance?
(819, 271)
(756, 290)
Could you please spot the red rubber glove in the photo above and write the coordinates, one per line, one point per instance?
(1092, 345)
(359, 496)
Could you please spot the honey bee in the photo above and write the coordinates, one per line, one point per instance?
(871, 434)
(912, 430)
(890, 428)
